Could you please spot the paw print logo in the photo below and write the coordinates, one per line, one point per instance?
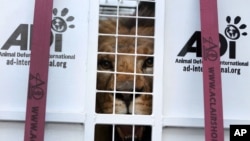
(60, 20)
(233, 30)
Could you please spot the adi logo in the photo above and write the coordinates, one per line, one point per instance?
(232, 33)
(60, 24)
(233, 30)
(60, 20)
(22, 34)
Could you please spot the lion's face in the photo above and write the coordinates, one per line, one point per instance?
(124, 82)
(123, 69)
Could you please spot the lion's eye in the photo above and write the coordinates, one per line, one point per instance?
(149, 62)
(105, 64)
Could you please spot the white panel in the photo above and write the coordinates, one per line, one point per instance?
(67, 71)
(186, 134)
(14, 131)
(183, 86)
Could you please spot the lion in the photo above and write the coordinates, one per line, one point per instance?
(125, 67)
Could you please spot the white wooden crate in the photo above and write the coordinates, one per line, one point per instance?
(177, 94)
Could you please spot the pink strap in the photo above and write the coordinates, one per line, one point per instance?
(214, 130)
(38, 76)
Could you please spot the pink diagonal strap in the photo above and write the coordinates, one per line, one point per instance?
(214, 130)
(38, 74)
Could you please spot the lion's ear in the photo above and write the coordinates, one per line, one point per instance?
(107, 26)
(146, 9)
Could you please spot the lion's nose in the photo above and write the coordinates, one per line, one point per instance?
(127, 85)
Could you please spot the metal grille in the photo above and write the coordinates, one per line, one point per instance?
(125, 70)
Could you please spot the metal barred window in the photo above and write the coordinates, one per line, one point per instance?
(127, 54)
